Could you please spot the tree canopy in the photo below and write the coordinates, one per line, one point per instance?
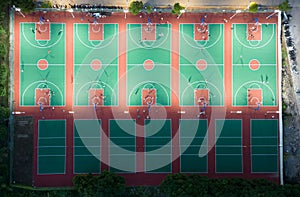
(176, 9)
(253, 7)
(135, 7)
(285, 6)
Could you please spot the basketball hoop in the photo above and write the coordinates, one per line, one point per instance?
(202, 28)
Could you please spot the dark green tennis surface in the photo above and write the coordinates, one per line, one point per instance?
(159, 51)
(193, 146)
(51, 147)
(122, 146)
(31, 51)
(264, 78)
(211, 51)
(229, 153)
(87, 138)
(264, 146)
(85, 51)
(158, 146)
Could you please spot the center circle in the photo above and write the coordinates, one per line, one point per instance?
(96, 64)
(201, 64)
(148, 64)
(254, 64)
(42, 64)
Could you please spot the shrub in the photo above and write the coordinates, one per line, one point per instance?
(176, 9)
(46, 4)
(135, 7)
(3, 50)
(26, 6)
(253, 7)
(104, 184)
(3, 79)
(149, 9)
(284, 6)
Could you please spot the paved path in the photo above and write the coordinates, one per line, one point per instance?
(234, 3)
(295, 29)
(291, 130)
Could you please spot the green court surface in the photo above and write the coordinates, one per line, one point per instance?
(31, 52)
(193, 146)
(122, 146)
(87, 138)
(211, 75)
(96, 64)
(229, 152)
(264, 146)
(159, 53)
(51, 147)
(158, 146)
(265, 76)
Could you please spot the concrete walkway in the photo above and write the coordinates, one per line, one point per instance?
(190, 3)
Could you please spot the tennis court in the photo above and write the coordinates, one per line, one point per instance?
(193, 146)
(264, 146)
(51, 152)
(122, 146)
(158, 146)
(229, 151)
(87, 146)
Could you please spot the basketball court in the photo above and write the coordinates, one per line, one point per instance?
(95, 64)
(201, 64)
(148, 58)
(213, 88)
(42, 64)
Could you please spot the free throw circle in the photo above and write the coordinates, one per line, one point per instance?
(148, 65)
(96, 64)
(201, 64)
(42, 64)
(254, 64)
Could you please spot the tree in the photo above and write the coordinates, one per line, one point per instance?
(149, 9)
(104, 184)
(285, 6)
(253, 7)
(46, 4)
(176, 9)
(26, 6)
(135, 7)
